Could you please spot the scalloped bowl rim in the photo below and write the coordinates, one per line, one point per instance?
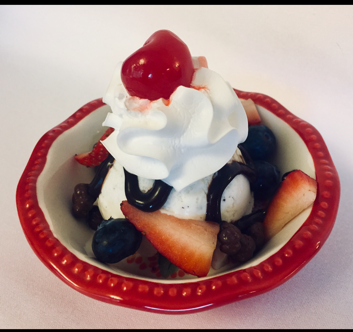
(302, 238)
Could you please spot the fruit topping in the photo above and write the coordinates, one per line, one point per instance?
(260, 143)
(114, 240)
(156, 69)
(97, 155)
(82, 201)
(199, 62)
(268, 180)
(296, 193)
(203, 62)
(188, 244)
(251, 112)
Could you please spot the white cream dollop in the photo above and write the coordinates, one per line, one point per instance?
(181, 140)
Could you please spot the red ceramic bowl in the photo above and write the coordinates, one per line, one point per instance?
(44, 201)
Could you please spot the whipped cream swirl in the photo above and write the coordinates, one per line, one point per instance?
(180, 140)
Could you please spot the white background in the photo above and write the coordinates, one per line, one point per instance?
(54, 59)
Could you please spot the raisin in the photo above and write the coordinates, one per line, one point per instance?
(94, 218)
(257, 232)
(246, 250)
(246, 221)
(82, 201)
(229, 237)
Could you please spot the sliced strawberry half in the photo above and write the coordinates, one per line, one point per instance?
(251, 111)
(296, 193)
(189, 244)
(199, 62)
(98, 153)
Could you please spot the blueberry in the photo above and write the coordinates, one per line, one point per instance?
(260, 143)
(115, 239)
(268, 180)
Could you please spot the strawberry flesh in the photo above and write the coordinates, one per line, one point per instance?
(251, 111)
(189, 244)
(296, 193)
(98, 154)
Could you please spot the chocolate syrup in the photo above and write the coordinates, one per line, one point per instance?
(219, 182)
(155, 198)
(150, 201)
(94, 188)
(246, 156)
(247, 221)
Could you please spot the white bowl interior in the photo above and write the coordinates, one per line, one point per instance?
(61, 173)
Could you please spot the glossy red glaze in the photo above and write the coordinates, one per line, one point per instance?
(156, 69)
(195, 295)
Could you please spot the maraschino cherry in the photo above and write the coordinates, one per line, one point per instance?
(156, 69)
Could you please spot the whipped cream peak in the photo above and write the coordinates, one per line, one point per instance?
(178, 141)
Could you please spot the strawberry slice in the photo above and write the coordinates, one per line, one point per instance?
(189, 244)
(199, 62)
(203, 61)
(296, 193)
(97, 155)
(251, 111)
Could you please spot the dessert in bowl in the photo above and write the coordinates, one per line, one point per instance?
(64, 244)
